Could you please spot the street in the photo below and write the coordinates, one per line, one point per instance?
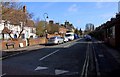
(79, 58)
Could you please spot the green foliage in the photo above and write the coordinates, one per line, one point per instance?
(52, 28)
(40, 28)
(77, 31)
(80, 31)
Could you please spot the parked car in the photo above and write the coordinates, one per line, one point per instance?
(65, 39)
(70, 36)
(76, 36)
(55, 40)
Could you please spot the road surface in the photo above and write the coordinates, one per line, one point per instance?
(79, 58)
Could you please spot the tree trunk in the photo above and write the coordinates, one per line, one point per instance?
(20, 33)
(10, 36)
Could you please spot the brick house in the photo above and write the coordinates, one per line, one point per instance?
(109, 31)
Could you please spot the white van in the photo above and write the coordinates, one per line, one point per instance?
(70, 36)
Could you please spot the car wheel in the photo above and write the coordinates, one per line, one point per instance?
(58, 42)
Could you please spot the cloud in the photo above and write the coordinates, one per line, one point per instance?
(73, 8)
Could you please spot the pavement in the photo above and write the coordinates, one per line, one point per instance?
(114, 52)
(15, 51)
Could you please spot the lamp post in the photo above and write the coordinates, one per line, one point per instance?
(45, 17)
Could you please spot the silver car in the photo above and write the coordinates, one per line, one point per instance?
(55, 40)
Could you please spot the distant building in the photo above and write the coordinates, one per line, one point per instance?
(89, 27)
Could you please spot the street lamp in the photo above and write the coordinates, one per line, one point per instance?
(45, 17)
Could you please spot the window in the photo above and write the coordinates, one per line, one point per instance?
(15, 36)
(23, 36)
(112, 32)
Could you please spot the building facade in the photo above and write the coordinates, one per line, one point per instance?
(89, 27)
(28, 31)
(109, 32)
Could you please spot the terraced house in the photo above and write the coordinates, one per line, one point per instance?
(109, 31)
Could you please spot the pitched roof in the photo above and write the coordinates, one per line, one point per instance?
(30, 23)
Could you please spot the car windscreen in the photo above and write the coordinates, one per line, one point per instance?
(53, 38)
(67, 35)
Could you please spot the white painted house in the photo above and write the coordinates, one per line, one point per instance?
(1, 28)
(29, 31)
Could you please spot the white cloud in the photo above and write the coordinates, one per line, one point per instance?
(73, 8)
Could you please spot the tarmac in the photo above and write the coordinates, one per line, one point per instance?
(15, 51)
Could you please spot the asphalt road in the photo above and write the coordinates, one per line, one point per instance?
(78, 58)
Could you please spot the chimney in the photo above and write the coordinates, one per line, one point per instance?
(24, 9)
(51, 22)
(57, 23)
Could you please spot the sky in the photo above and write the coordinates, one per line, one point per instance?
(77, 13)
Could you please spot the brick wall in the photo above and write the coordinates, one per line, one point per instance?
(37, 41)
(16, 45)
(42, 40)
(51, 35)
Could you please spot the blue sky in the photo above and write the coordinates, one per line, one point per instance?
(77, 13)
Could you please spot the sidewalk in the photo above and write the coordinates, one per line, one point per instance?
(15, 51)
(114, 52)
